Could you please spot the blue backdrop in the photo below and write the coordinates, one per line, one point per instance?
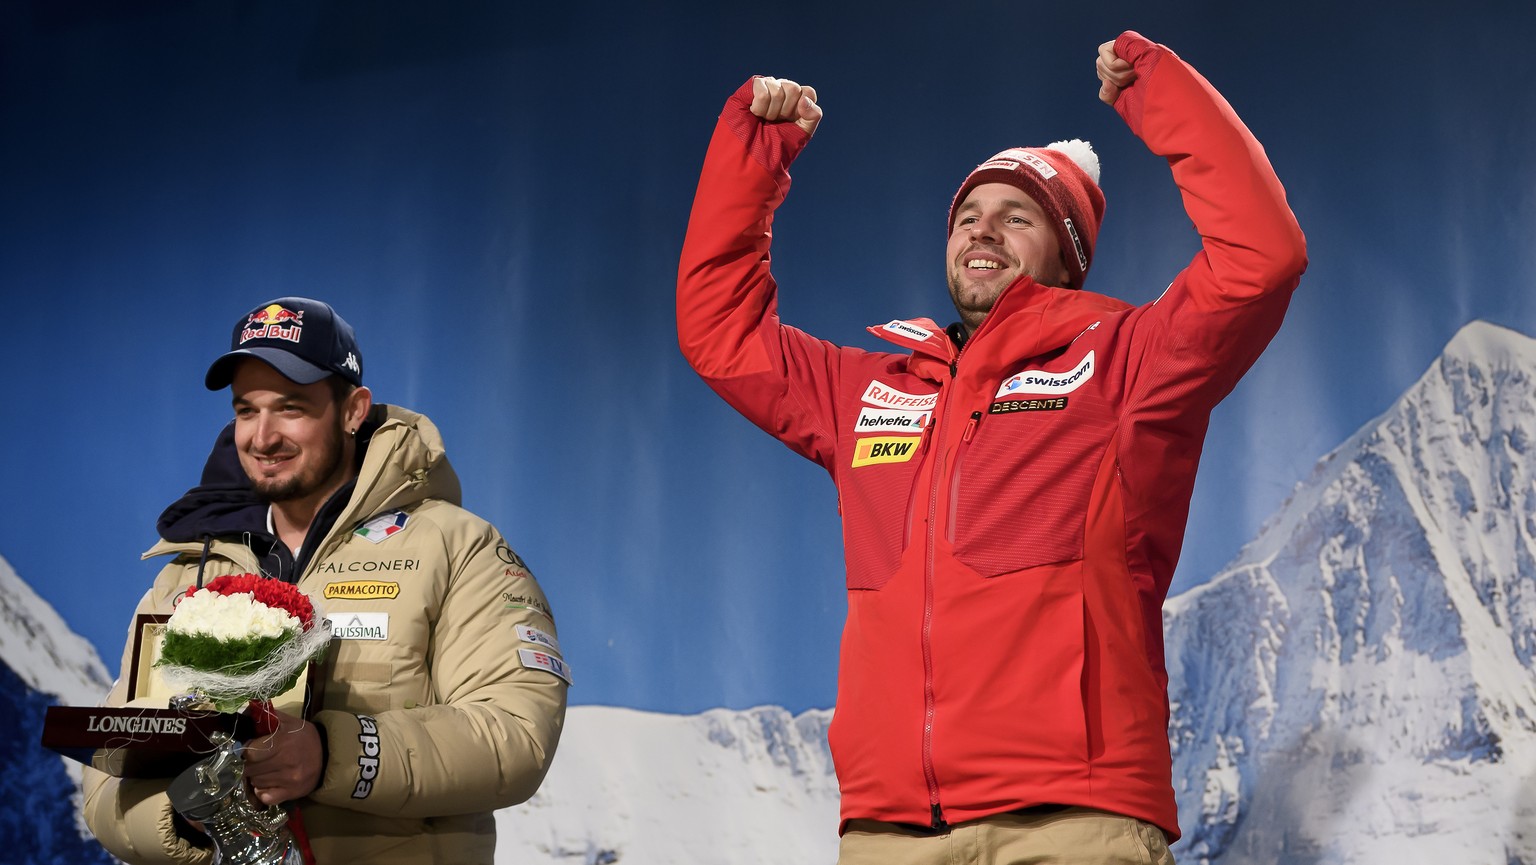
(496, 198)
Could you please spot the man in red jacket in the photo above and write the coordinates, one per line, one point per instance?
(1014, 487)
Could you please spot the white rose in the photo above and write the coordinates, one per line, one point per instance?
(230, 617)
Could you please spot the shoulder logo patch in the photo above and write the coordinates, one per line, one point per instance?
(534, 635)
(382, 526)
(544, 661)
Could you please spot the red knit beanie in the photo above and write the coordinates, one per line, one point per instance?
(1063, 178)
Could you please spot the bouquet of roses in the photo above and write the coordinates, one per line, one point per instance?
(241, 638)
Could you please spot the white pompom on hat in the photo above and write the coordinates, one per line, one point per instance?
(1063, 178)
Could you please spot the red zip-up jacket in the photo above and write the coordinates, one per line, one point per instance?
(1013, 511)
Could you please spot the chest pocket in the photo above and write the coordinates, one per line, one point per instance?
(377, 659)
(1021, 487)
(880, 449)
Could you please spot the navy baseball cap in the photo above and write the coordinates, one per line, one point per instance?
(303, 339)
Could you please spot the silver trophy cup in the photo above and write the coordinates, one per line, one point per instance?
(213, 793)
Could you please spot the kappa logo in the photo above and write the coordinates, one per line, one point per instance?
(273, 321)
(872, 450)
(368, 760)
(352, 364)
(890, 420)
(1036, 381)
(881, 394)
(908, 329)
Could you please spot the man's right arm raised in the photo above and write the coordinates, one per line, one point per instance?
(727, 305)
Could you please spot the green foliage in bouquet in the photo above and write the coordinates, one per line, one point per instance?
(227, 657)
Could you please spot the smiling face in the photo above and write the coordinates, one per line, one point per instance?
(292, 438)
(999, 235)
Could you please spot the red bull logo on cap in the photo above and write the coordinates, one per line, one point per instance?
(273, 322)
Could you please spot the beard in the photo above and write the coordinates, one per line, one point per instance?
(973, 302)
(969, 300)
(308, 479)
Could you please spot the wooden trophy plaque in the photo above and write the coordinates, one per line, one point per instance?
(146, 739)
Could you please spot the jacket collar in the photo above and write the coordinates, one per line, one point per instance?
(920, 335)
(1028, 320)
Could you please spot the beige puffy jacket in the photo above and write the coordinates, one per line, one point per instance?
(461, 726)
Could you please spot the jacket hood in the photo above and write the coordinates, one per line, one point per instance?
(402, 463)
(222, 503)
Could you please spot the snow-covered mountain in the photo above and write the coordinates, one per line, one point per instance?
(639, 788)
(1358, 686)
(42, 663)
(41, 649)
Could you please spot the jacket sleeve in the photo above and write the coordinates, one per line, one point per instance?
(1189, 348)
(728, 327)
(1218, 315)
(132, 818)
(487, 740)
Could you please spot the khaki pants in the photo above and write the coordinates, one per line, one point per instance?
(1070, 836)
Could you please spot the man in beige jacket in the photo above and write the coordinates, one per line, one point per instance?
(443, 693)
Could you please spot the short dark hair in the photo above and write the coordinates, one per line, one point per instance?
(340, 388)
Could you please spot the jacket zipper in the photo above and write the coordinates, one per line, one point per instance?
(929, 774)
(936, 810)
